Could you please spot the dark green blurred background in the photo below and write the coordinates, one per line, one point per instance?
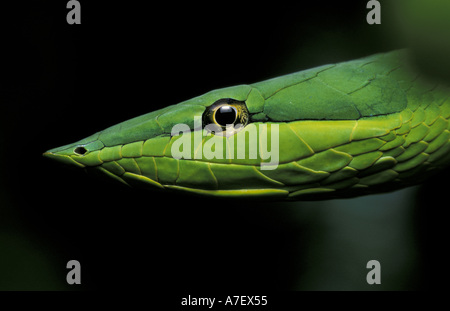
(64, 82)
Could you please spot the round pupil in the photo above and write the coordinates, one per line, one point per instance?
(225, 115)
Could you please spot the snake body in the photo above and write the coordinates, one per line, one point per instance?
(364, 126)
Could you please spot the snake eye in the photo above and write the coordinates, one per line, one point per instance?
(226, 114)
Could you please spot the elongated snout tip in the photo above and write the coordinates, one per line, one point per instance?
(63, 158)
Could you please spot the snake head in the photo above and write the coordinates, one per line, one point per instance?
(334, 131)
(190, 146)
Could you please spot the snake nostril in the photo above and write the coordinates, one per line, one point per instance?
(80, 150)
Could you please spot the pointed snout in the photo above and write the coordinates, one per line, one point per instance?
(76, 153)
(66, 159)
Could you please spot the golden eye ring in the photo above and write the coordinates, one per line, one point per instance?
(226, 113)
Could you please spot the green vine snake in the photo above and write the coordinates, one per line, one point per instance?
(359, 127)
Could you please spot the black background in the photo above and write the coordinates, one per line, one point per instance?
(65, 82)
